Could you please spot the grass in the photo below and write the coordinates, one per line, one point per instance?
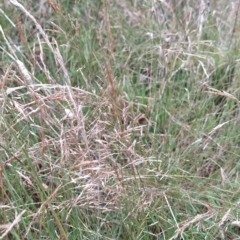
(119, 120)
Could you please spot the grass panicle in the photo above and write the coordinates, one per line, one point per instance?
(119, 120)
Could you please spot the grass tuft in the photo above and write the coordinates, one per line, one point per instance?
(119, 120)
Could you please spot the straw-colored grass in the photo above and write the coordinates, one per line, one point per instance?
(119, 119)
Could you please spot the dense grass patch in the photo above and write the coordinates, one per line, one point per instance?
(119, 120)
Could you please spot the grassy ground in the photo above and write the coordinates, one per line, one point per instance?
(119, 119)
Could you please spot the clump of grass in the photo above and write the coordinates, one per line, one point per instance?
(119, 120)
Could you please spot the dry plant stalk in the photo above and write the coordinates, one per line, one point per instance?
(22, 35)
(56, 7)
(5, 77)
(108, 28)
(11, 225)
(188, 223)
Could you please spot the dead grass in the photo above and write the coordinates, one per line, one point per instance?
(119, 120)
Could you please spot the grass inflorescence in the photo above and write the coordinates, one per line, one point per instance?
(119, 120)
